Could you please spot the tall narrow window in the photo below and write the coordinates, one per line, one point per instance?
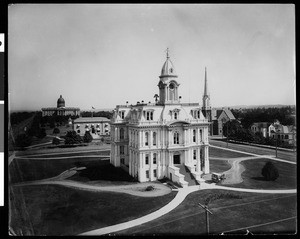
(146, 138)
(194, 135)
(200, 134)
(122, 149)
(154, 138)
(194, 154)
(121, 133)
(154, 158)
(176, 138)
(198, 114)
(147, 173)
(147, 159)
(154, 173)
(175, 115)
(151, 115)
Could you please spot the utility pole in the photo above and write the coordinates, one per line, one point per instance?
(207, 216)
(227, 133)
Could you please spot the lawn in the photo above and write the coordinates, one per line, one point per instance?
(252, 177)
(21, 170)
(216, 152)
(56, 210)
(218, 166)
(228, 214)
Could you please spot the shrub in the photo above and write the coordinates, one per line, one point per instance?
(149, 188)
(87, 138)
(23, 140)
(270, 172)
(56, 131)
(56, 141)
(72, 138)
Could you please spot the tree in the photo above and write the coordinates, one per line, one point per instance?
(56, 131)
(23, 140)
(42, 133)
(87, 138)
(270, 172)
(72, 138)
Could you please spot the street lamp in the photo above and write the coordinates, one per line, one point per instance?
(207, 216)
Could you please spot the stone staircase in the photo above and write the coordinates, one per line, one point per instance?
(188, 177)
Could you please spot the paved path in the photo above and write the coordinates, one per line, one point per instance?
(182, 193)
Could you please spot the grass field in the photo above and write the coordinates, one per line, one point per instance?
(218, 166)
(258, 211)
(56, 210)
(21, 170)
(215, 152)
(252, 177)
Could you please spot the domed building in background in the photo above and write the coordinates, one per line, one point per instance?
(162, 139)
(61, 109)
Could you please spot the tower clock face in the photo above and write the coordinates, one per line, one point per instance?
(171, 86)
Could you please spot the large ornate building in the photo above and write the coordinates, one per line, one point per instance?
(163, 139)
(60, 109)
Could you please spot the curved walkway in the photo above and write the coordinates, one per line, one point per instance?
(138, 189)
(181, 195)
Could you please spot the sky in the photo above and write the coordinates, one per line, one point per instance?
(102, 55)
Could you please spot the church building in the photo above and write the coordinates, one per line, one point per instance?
(167, 138)
(60, 109)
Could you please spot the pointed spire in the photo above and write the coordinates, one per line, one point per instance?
(205, 83)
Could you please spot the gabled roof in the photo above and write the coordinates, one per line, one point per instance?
(217, 113)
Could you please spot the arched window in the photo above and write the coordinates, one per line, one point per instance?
(154, 138)
(146, 138)
(121, 133)
(176, 138)
(194, 135)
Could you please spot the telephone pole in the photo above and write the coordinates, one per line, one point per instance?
(207, 216)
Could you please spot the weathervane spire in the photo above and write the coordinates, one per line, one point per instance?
(167, 52)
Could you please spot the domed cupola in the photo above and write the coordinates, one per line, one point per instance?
(168, 85)
(168, 69)
(60, 102)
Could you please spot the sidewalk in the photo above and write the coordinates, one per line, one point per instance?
(182, 193)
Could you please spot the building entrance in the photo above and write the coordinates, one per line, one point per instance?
(176, 159)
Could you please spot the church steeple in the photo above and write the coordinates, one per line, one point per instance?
(206, 97)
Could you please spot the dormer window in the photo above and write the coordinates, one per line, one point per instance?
(175, 115)
(148, 114)
(196, 113)
(122, 114)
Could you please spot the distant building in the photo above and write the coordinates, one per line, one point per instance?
(284, 133)
(163, 139)
(217, 117)
(97, 126)
(262, 127)
(60, 109)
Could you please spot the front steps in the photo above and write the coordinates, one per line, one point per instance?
(188, 176)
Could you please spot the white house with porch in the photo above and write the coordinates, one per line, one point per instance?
(162, 139)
